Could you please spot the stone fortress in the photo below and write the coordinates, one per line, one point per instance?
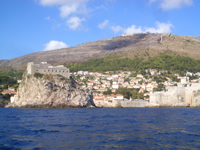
(45, 67)
(185, 94)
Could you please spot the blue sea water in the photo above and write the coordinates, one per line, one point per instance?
(100, 128)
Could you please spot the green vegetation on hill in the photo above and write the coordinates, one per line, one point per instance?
(9, 77)
(178, 64)
(6, 80)
(12, 73)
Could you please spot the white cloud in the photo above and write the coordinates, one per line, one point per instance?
(68, 7)
(76, 8)
(116, 29)
(74, 23)
(103, 24)
(133, 29)
(172, 4)
(151, 1)
(66, 10)
(48, 18)
(54, 45)
(60, 2)
(101, 7)
(160, 28)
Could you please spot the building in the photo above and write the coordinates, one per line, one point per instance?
(44, 67)
(11, 89)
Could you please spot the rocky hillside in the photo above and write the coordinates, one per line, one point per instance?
(136, 45)
(50, 91)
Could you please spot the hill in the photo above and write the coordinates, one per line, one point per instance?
(129, 46)
(176, 64)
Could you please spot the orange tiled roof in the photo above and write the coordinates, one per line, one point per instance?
(8, 92)
(99, 99)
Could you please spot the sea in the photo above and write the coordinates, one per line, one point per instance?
(99, 128)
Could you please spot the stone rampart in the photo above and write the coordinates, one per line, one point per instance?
(181, 96)
(135, 103)
(44, 67)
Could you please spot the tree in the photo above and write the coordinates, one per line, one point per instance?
(108, 92)
(159, 88)
(16, 86)
(140, 96)
(134, 94)
(125, 92)
(7, 96)
(127, 80)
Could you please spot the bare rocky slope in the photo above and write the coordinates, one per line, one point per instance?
(130, 45)
(50, 91)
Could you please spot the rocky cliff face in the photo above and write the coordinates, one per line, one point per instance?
(50, 91)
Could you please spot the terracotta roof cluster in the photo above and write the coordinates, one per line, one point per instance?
(8, 92)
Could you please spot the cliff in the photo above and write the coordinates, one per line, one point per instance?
(50, 91)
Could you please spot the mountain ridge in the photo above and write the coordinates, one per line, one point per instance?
(131, 46)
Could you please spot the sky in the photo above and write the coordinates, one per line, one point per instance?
(29, 26)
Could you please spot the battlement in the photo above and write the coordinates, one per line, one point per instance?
(44, 67)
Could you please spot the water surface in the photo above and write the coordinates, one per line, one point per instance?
(105, 128)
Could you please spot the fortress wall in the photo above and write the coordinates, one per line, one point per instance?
(196, 98)
(166, 98)
(193, 95)
(181, 95)
(189, 95)
(62, 71)
(47, 68)
(105, 103)
(173, 97)
(135, 103)
(154, 98)
(29, 68)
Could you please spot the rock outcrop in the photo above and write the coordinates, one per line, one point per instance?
(3, 102)
(51, 91)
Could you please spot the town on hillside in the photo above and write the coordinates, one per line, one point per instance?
(114, 86)
(129, 86)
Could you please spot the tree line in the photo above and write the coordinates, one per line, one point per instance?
(177, 64)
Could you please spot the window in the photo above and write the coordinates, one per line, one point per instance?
(44, 70)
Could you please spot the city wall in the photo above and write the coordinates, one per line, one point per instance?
(135, 103)
(184, 95)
